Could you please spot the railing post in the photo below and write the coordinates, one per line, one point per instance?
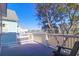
(46, 39)
(32, 38)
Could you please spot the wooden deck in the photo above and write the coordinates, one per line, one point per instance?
(28, 50)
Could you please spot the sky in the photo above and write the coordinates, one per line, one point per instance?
(26, 14)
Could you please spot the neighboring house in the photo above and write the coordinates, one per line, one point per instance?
(22, 33)
(24, 36)
(9, 28)
(22, 30)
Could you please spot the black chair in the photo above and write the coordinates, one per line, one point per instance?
(73, 52)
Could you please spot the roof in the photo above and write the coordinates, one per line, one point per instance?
(11, 15)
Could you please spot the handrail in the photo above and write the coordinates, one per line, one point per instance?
(66, 35)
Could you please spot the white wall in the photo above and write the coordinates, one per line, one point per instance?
(9, 26)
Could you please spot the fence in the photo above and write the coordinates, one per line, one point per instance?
(56, 39)
(52, 40)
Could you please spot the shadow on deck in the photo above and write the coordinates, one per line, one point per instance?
(28, 50)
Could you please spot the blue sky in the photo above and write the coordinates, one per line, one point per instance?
(26, 14)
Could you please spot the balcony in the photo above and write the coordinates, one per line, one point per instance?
(39, 44)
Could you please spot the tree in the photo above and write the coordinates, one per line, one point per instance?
(64, 14)
(45, 15)
(69, 13)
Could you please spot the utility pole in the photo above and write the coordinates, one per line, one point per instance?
(0, 27)
(3, 12)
